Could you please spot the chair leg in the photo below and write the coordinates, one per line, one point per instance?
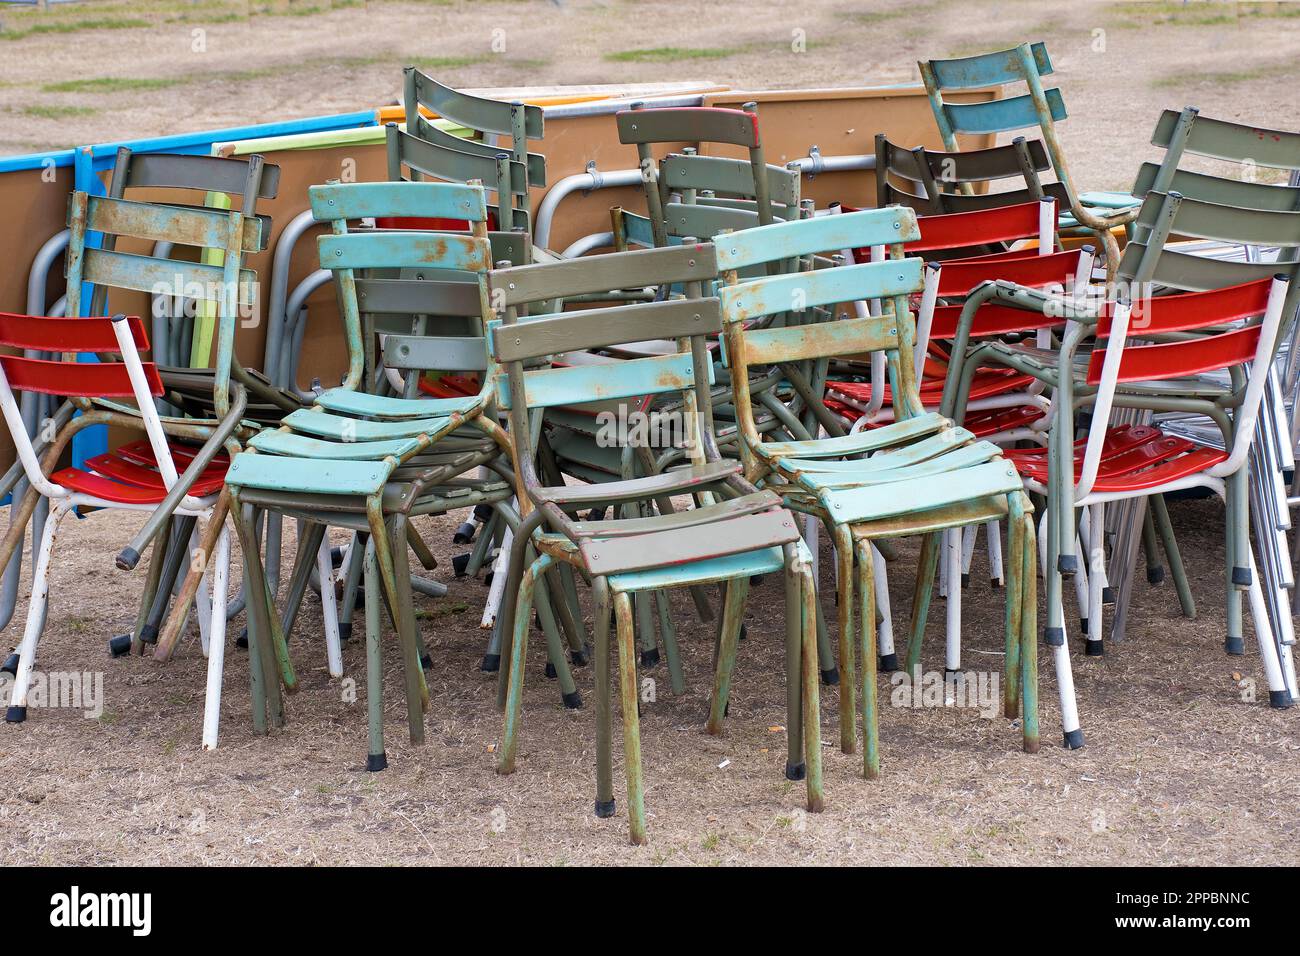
(671, 651)
(310, 536)
(36, 614)
(845, 590)
(867, 628)
(555, 648)
(812, 737)
(515, 670)
(929, 561)
(952, 609)
(1055, 638)
(403, 618)
(351, 583)
(376, 755)
(997, 573)
(888, 656)
(732, 612)
(216, 641)
(1029, 640)
(795, 769)
(1235, 502)
(1094, 645)
(260, 611)
(604, 710)
(1155, 570)
(329, 609)
(631, 718)
(1160, 515)
(1011, 663)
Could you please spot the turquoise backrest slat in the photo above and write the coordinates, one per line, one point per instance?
(784, 240)
(1000, 116)
(417, 200)
(988, 69)
(401, 250)
(806, 290)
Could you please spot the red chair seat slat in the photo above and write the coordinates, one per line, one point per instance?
(107, 489)
(1147, 363)
(1134, 458)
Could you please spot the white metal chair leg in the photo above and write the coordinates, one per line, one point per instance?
(993, 533)
(885, 637)
(329, 608)
(497, 589)
(952, 654)
(36, 609)
(1042, 545)
(1065, 687)
(1082, 591)
(1096, 529)
(811, 532)
(1278, 693)
(216, 641)
(202, 607)
(968, 536)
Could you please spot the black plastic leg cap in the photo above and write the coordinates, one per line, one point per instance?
(1068, 564)
(1083, 625)
(831, 677)
(579, 658)
(1155, 575)
(650, 658)
(149, 634)
(464, 534)
(889, 663)
(1074, 739)
(242, 639)
(604, 809)
(1234, 646)
(1054, 636)
(128, 559)
(573, 701)
(459, 564)
(118, 646)
(426, 661)
(1281, 699)
(550, 671)
(1095, 648)
(965, 580)
(10, 666)
(491, 663)
(15, 714)
(995, 584)
(1108, 595)
(376, 762)
(1241, 577)
(795, 771)
(345, 630)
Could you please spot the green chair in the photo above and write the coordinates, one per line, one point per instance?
(743, 533)
(369, 462)
(918, 475)
(1026, 64)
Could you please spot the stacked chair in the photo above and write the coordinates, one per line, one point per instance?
(943, 363)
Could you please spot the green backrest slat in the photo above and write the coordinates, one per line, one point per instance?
(1263, 227)
(475, 112)
(183, 225)
(730, 176)
(431, 133)
(600, 328)
(1001, 116)
(988, 69)
(797, 291)
(820, 340)
(195, 280)
(1192, 273)
(620, 378)
(783, 240)
(616, 270)
(688, 124)
(401, 249)
(706, 221)
(217, 174)
(414, 296)
(960, 202)
(1233, 141)
(431, 352)
(982, 165)
(458, 165)
(1217, 189)
(418, 200)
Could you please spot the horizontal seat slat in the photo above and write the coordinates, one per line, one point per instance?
(307, 475)
(683, 546)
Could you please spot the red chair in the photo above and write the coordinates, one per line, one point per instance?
(135, 477)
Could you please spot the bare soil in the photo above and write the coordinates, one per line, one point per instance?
(1179, 768)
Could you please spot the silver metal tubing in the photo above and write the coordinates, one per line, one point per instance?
(277, 304)
(578, 182)
(584, 245)
(293, 326)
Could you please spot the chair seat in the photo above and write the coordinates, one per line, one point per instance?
(861, 442)
(322, 476)
(1133, 458)
(918, 490)
(344, 429)
(276, 442)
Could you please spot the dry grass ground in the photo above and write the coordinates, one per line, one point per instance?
(1178, 768)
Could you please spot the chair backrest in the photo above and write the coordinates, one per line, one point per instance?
(129, 378)
(935, 181)
(1121, 361)
(517, 337)
(429, 150)
(1038, 106)
(418, 273)
(892, 280)
(645, 128)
